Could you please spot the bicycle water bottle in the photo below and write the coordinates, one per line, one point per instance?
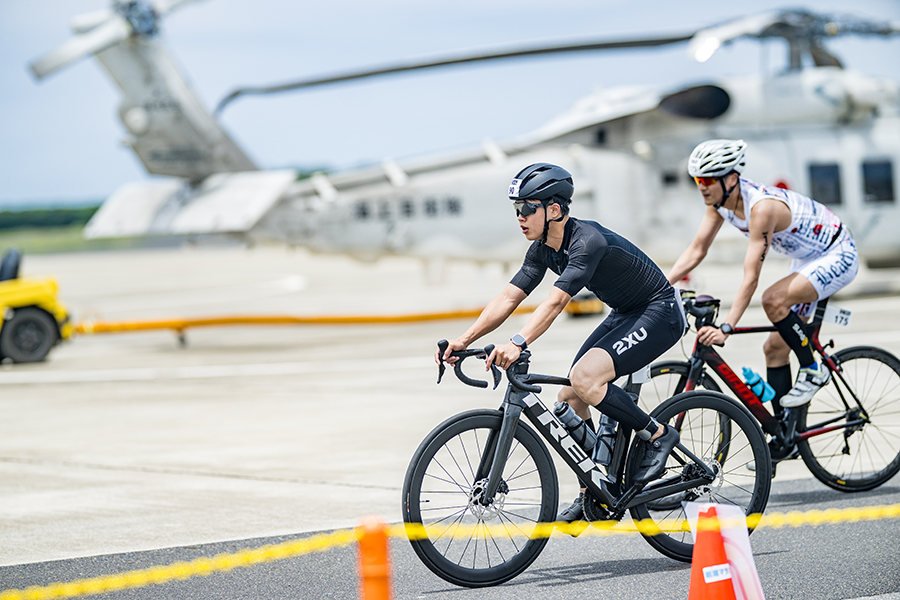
(576, 426)
(606, 436)
(758, 385)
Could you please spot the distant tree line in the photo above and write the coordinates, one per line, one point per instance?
(46, 217)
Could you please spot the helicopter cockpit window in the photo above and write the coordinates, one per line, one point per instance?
(362, 210)
(825, 184)
(878, 181)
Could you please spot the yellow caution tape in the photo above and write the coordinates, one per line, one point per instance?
(415, 531)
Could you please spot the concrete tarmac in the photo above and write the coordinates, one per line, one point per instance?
(131, 442)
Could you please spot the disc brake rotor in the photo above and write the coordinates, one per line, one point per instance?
(491, 510)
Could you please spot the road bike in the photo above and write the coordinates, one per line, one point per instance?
(848, 435)
(482, 485)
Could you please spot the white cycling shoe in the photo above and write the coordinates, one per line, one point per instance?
(809, 381)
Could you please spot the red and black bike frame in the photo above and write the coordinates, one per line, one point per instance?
(784, 430)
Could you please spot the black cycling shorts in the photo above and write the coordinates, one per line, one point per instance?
(637, 338)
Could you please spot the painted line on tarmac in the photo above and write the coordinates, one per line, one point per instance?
(56, 464)
(8, 377)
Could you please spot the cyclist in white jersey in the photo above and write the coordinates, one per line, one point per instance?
(825, 259)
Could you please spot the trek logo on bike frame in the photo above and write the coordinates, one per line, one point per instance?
(566, 442)
(631, 339)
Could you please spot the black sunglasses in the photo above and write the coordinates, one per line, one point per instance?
(525, 208)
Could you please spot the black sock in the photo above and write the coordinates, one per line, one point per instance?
(781, 381)
(793, 331)
(619, 406)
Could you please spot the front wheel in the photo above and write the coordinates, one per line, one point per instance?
(28, 335)
(854, 457)
(468, 542)
(699, 416)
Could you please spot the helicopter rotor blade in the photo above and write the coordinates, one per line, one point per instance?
(99, 38)
(705, 43)
(465, 59)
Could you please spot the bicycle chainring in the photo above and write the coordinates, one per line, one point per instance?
(490, 510)
(593, 510)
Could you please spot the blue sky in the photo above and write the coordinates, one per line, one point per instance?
(59, 138)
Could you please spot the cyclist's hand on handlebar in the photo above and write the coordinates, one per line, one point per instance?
(711, 336)
(503, 356)
(454, 346)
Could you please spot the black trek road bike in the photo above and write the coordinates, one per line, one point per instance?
(848, 435)
(482, 486)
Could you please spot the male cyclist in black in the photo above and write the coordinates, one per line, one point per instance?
(645, 321)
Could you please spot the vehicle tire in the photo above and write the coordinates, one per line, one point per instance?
(468, 544)
(855, 459)
(702, 414)
(28, 335)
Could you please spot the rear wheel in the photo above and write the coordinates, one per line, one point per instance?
(667, 379)
(28, 336)
(466, 542)
(728, 453)
(859, 457)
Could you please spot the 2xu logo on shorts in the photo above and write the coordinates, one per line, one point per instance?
(631, 339)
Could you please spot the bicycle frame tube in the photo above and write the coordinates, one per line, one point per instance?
(708, 355)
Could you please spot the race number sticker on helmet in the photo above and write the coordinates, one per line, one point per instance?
(514, 188)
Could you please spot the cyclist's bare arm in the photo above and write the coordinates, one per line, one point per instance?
(539, 321)
(765, 219)
(696, 251)
(494, 314)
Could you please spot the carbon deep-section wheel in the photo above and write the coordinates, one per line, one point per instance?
(857, 449)
(469, 542)
(698, 416)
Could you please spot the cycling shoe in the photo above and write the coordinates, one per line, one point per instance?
(656, 452)
(574, 512)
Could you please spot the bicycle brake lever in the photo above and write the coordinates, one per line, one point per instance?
(495, 370)
(442, 346)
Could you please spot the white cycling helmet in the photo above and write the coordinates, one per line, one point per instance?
(717, 158)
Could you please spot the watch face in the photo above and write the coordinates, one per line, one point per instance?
(518, 340)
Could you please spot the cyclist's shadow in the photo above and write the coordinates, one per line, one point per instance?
(596, 571)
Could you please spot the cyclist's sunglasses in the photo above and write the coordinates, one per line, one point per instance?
(525, 208)
(705, 181)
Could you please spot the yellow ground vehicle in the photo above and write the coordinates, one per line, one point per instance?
(33, 318)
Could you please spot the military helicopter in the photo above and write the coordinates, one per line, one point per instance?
(826, 131)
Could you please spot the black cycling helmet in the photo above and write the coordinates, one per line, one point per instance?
(545, 182)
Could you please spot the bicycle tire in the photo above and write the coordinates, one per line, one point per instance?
(437, 494)
(701, 433)
(870, 454)
(667, 379)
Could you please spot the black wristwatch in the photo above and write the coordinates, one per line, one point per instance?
(519, 340)
(726, 328)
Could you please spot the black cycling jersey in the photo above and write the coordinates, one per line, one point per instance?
(594, 257)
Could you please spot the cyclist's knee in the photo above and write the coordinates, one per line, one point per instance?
(775, 304)
(587, 386)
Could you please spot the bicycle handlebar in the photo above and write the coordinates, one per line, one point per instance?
(524, 382)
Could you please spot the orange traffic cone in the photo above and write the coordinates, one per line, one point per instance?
(710, 572)
(374, 561)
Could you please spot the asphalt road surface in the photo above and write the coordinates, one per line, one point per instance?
(130, 450)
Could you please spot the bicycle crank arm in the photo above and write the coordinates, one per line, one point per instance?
(709, 472)
(662, 491)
